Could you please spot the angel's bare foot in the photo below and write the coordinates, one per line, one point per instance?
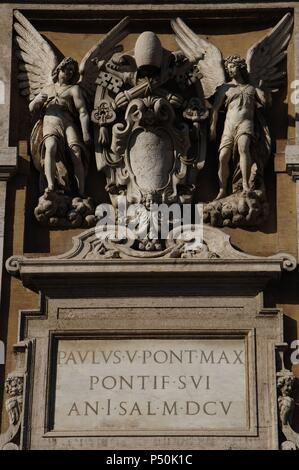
(50, 188)
(246, 188)
(221, 194)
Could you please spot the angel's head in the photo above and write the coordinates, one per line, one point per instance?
(67, 71)
(235, 66)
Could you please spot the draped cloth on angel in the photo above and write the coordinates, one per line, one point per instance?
(261, 148)
(264, 63)
(255, 127)
(59, 120)
(240, 98)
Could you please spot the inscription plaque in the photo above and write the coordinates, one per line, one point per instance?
(150, 384)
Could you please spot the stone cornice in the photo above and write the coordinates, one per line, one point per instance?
(92, 259)
(156, 2)
(138, 5)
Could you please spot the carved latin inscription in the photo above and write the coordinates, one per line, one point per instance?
(150, 384)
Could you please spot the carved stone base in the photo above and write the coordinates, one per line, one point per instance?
(58, 210)
(106, 299)
(241, 209)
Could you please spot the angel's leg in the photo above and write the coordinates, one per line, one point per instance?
(76, 154)
(50, 161)
(73, 140)
(245, 160)
(223, 172)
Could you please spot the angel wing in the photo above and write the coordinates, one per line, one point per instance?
(207, 56)
(37, 60)
(265, 56)
(99, 54)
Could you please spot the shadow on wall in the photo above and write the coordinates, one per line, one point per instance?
(2, 353)
(16, 182)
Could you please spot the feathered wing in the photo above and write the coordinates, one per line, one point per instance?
(37, 60)
(264, 63)
(101, 52)
(208, 57)
(264, 58)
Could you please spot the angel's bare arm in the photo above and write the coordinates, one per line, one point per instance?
(80, 106)
(263, 97)
(219, 100)
(38, 102)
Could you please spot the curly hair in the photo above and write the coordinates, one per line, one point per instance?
(236, 60)
(66, 61)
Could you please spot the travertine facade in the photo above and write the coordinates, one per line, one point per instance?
(152, 124)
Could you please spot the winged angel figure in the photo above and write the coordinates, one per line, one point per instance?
(245, 145)
(61, 92)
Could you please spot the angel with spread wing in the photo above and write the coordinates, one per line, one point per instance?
(60, 91)
(245, 139)
(60, 103)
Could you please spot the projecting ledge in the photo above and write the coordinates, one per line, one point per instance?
(92, 258)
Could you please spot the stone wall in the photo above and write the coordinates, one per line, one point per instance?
(23, 235)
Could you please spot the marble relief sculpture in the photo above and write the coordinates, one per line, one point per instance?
(153, 113)
(14, 388)
(56, 130)
(60, 93)
(286, 388)
(151, 124)
(245, 144)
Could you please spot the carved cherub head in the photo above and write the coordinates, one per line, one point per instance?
(235, 65)
(14, 385)
(285, 384)
(67, 70)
